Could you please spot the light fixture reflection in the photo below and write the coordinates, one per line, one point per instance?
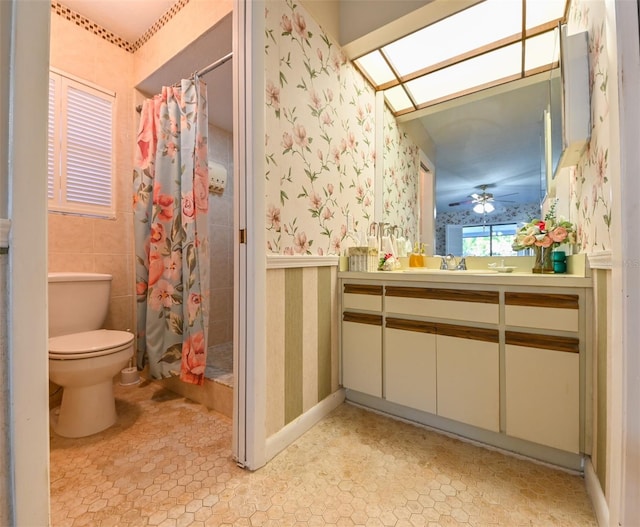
(483, 208)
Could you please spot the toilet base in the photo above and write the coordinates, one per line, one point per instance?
(85, 410)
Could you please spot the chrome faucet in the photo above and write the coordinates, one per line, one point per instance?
(448, 262)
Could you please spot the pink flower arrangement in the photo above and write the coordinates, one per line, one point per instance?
(549, 232)
(387, 262)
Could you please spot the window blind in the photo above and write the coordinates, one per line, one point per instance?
(81, 170)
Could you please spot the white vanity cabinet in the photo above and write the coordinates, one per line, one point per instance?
(469, 376)
(498, 360)
(458, 371)
(543, 369)
(362, 338)
(410, 363)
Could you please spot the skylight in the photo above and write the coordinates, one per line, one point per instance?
(487, 44)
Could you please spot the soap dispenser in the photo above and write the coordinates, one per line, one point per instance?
(415, 258)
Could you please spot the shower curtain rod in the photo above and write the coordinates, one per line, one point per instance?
(213, 65)
(204, 71)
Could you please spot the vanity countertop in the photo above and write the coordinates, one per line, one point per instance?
(478, 276)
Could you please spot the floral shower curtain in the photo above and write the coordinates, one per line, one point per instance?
(171, 199)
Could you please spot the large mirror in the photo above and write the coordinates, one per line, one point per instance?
(494, 153)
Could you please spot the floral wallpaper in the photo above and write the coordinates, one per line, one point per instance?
(401, 178)
(319, 143)
(591, 182)
(521, 213)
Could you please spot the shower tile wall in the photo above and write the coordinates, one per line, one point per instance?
(90, 244)
(221, 242)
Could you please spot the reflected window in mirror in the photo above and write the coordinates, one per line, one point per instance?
(486, 240)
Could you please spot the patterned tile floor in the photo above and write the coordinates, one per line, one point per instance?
(167, 462)
(220, 363)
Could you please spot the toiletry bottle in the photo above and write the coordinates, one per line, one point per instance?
(415, 259)
(423, 255)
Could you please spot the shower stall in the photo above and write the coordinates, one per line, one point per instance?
(211, 57)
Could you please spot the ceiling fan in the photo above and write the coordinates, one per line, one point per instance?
(483, 201)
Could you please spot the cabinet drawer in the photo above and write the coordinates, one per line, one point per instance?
(362, 296)
(542, 311)
(410, 368)
(542, 396)
(453, 304)
(362, 353)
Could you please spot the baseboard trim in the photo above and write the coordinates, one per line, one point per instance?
(287, 435)
(594, 490)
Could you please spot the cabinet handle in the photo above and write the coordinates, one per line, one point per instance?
(541, 300)
(468, 332)
(362, 289)
(457, 295)
(362, 318)
(548, 342)
(411, 325)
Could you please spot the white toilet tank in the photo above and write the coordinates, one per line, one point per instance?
(77, 302)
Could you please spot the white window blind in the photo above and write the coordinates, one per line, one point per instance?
(81, 153)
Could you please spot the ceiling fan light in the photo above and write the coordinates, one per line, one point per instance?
(483, 208)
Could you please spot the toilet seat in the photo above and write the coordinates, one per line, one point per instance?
(89, 344)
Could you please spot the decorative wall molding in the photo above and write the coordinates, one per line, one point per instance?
(5, 228)
(98, 30)
(600, 260)
(283, 261)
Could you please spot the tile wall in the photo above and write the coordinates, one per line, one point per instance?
(221, 242)
(90, 244)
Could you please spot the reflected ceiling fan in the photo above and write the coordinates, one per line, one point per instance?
(483, 201)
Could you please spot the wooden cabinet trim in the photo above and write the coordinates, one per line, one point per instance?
(449, 330)
(468, 332)
(541, 300)
(548, 342)
(456, 295)
(363, 289)
(411, 325)
(362, 318)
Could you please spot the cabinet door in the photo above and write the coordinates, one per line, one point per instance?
(543, 391)
(469, 381)
(410, 364)
(362, 353)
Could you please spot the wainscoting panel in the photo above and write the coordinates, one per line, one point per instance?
(302, 354)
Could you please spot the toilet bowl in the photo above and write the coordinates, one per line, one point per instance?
(84, 359)
(84, 364)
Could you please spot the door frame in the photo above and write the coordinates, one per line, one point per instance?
(249, 440)
(27, 358)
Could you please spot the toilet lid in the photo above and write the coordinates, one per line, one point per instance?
(89, 343)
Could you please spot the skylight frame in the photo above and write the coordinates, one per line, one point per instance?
(398, 77)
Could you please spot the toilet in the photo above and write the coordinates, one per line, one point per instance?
(83, 359)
